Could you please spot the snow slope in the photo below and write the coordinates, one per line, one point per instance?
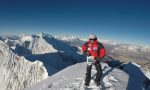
(129, 77)
(72, 78)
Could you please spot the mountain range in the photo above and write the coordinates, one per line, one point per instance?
(28, 59)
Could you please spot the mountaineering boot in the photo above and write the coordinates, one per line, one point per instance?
(86, 84)
(98, 83)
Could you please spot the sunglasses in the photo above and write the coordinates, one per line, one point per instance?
(93, 39)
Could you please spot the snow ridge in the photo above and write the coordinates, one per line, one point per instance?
(17, 72)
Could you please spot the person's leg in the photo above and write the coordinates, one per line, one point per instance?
(98, 74)
(88, 75)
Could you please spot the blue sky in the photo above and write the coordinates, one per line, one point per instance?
(125, 21)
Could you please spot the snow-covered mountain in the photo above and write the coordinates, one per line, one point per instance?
(28, 59)
(18, 72)
(129, 53)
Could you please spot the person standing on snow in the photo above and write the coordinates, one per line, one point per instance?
(97, 51)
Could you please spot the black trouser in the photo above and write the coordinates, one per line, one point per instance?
(98, 74)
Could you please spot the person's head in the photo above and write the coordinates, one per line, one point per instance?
(92, 38)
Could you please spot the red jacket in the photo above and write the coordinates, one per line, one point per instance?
(94, 49)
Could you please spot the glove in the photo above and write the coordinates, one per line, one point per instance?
(87, 53)
(95, 62)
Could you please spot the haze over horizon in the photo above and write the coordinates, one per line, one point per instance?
(126, 21)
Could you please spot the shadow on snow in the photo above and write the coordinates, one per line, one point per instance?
(137, 79)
